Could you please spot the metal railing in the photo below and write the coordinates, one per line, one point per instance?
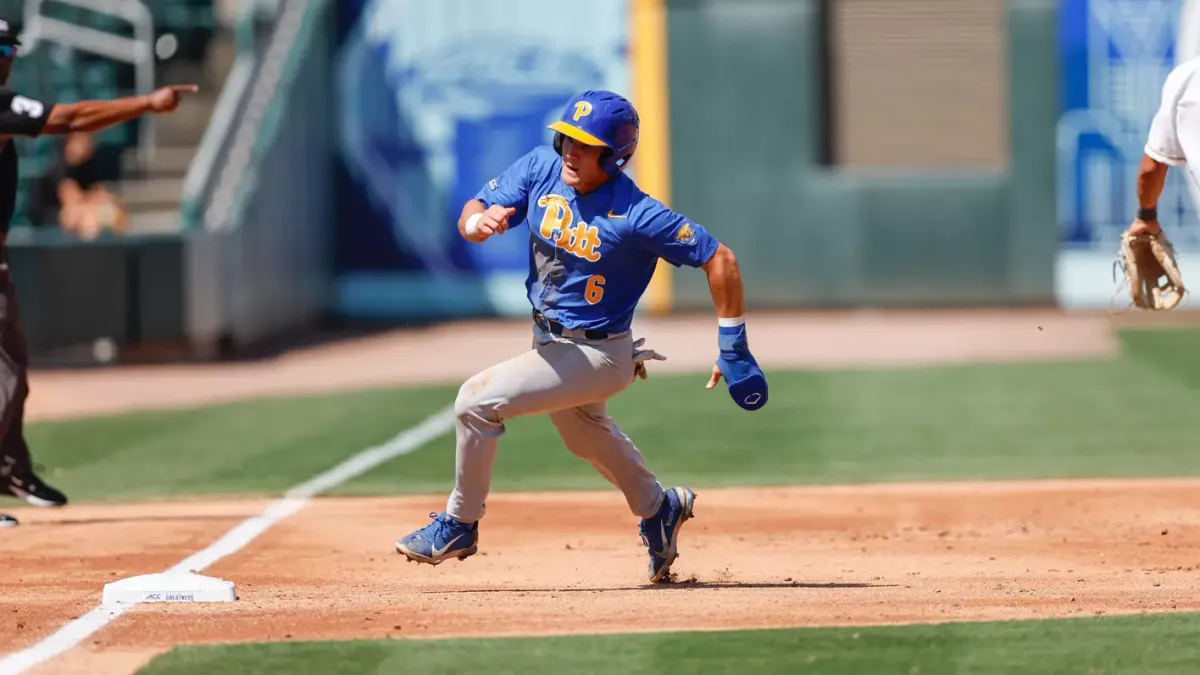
(138, 50)
(231, 102)
(246, 142)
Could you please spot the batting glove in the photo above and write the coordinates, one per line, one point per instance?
(640, 356)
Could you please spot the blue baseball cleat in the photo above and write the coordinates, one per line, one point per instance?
(660, 533)
(443, 539)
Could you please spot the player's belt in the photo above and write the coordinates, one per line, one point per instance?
(558, 329)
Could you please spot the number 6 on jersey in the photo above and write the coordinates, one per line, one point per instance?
(594, 291)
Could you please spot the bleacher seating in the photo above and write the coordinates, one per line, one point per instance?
(59, 73)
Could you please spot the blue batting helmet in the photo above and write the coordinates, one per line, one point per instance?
(604, 118)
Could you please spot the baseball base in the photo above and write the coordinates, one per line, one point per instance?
(168, 587)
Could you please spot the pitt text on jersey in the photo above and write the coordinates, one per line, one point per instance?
(578, 239)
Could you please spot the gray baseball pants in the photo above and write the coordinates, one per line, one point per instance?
(570, 378)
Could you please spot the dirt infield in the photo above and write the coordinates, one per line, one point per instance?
(563, 562)
(566, 563)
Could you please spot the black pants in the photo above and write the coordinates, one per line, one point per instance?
(14, 377)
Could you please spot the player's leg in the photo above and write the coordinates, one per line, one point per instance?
(15, 461)
(17, 476)
(591, 434)
(556, 374)
(10, 381)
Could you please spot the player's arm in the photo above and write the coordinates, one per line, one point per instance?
(674, 238)
(1152, 175)
(729, 298)
(24, 116)
(725, 283)
(1162, 151)
(94, 115)
(680, 242)
(478, 222)
(498, 204)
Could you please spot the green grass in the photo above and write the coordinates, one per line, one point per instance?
(1142, 645)
(1005, 421)
(261, 446)
(1134, 415)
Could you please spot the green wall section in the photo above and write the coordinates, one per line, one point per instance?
(1033, 118)
(128, 289)
(746, 137)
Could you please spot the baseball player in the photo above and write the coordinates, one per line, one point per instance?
(594, 242)
(1174, 137)
(24, 116)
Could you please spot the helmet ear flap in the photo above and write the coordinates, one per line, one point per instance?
(620, 163)
(558, 142)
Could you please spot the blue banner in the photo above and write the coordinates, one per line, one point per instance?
(1115, 56)
(436, 98)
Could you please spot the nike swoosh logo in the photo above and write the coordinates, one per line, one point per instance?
(438, 552)
(662, 527)
(613, 215)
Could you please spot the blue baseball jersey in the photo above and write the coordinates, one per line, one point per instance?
(591, 255)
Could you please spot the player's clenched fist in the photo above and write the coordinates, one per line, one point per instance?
(494, 220)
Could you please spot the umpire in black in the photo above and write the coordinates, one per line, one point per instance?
(25, 116)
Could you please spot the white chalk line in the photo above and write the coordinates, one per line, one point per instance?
(78, 630)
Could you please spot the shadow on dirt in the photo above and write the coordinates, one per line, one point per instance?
(684, 584)
(235, 518)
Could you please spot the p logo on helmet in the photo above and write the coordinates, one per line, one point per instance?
(600, 118)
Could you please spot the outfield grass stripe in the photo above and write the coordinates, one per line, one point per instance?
(78, 630)
(1126, 645)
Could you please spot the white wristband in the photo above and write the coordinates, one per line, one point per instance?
(472, 224)
(731, 323)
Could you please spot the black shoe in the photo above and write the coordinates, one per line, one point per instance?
(7, 521)
(34, 490)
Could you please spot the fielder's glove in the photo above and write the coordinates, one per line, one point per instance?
(1148, 261)
(640, 356)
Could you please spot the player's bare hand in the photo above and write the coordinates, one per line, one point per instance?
(497, 217)
(716, 377)
(1140, 226)
(166, 99)
(493, 221)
